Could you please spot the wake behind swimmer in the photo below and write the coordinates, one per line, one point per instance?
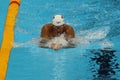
(56, 35)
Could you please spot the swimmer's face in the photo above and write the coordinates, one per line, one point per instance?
(58, 20)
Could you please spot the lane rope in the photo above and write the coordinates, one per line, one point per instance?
(8, 37)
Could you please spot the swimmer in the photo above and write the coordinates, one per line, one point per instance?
(53, 31)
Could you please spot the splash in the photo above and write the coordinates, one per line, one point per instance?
(106, 43)
(92, 36)
(58, 40)
(86, 37)
(33, 42)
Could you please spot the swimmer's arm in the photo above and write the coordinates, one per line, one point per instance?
(44, 32)
(70, 33)
(70, 38)
(44, 36)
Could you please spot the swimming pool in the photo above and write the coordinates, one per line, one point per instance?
(88, 61)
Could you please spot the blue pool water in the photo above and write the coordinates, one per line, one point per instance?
(3, 13)
(97, 26)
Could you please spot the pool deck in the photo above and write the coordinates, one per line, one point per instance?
(8, 37)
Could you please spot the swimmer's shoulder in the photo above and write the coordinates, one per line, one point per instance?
(67, 26)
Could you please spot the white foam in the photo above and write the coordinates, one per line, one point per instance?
(33, 41)
(92, 35)
(86, 37)
(58, 40)
(98, 34)
(106, 43)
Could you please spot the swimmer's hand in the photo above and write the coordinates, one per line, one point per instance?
(56, 46)
(43, 43)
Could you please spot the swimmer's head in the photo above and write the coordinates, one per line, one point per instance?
(58, 20)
